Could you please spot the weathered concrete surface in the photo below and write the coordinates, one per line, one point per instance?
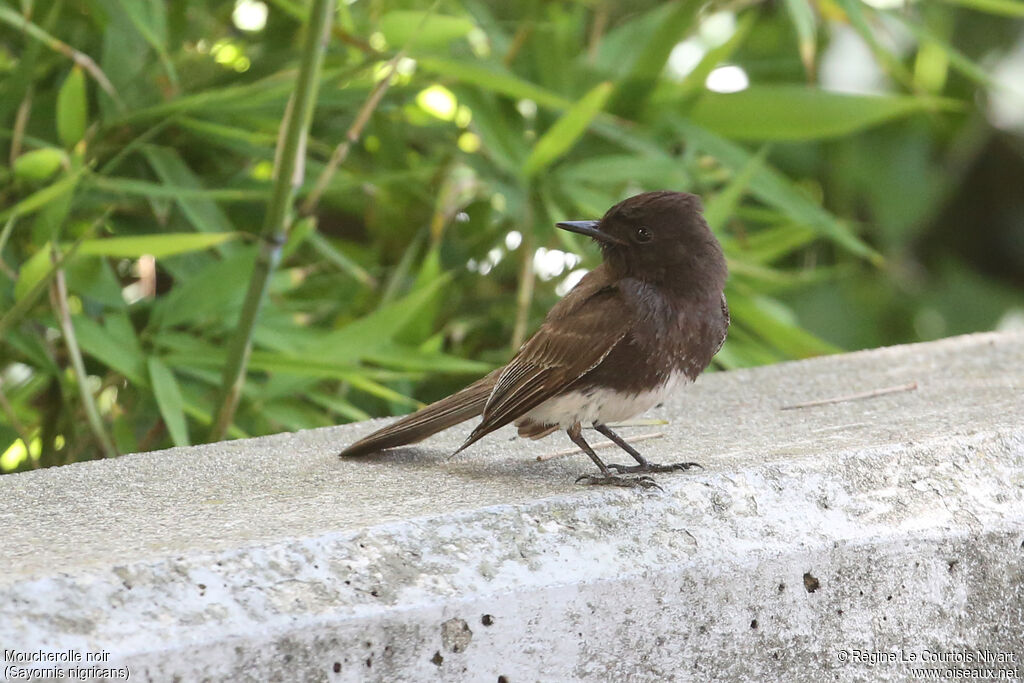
(889, 527)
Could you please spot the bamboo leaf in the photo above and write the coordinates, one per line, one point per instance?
(39, 164)
(375, 330)
(339, 406)
(1006, 8)
(722, 206)
(617, 169)
(151, 28)
(132, 186)
(203, 295)
(337, 257)
(103, 345)
(798, 113)
(362, 383)
(159, 246)
(772, 188)
(404, 358)
(770, 244)
(632, 94)
(41, 198)
(763, 317)
(202, 212)
(423, 28)
(169, 400)
(558, 139)
(492, 79)
(802, 15)
(72, 108)
(32, 272)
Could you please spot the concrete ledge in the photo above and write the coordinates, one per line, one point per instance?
(818, 544)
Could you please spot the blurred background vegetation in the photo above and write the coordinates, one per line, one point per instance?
(862, 163)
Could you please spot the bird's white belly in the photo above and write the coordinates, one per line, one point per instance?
(601, 405)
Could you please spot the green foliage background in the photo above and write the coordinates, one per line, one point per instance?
(139, 137)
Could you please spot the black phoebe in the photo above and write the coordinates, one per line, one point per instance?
(645, 321)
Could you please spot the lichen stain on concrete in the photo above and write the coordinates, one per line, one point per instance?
(455, 635)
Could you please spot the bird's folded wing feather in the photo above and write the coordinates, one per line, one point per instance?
(577, 334)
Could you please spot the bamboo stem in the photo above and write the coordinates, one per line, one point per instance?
(92, 413)
(524, 297)
(289, 164)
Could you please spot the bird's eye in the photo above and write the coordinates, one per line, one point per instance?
(642, 234)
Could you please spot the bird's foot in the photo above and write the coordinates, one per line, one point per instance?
(653, 467)
(612, 480)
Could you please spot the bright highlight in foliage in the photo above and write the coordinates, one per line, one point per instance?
(250, 15)
(438, 101)
(727, 79)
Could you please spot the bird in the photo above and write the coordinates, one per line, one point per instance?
(646, 321)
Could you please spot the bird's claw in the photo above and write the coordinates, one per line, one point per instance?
(653, 467)
(612, 480)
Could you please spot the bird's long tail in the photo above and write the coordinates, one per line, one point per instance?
(448, 412)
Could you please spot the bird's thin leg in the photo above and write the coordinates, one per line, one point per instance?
(644, 465)
(606, 478)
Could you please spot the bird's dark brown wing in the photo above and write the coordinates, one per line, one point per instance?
(576, 335)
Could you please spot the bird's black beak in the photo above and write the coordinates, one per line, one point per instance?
(589, 228)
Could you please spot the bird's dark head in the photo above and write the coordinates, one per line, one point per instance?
(660, 237)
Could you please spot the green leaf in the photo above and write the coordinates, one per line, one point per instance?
(618, 169)
(201, 212)
(930, 41)
(722, 205)
(770, 244)
(1006, 8)
(133, 186)
(362, 383)
(404, 358)
(117, 353)
(293, 414)
(159, 246)
(632, 94)
(72, 108)
(41, 198)
(798, 113)
(422, 28)
(297, 235)
(767, 320)
(33, 271)
(14, 315)
(204, 295)
(494, 80)
(337, 257)
(774, 189)
(39, 164)
(168, 398)
(93, 278)
(558, 139)
(375, 330)
(339, 406)
(802, 15)
(149, 20)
